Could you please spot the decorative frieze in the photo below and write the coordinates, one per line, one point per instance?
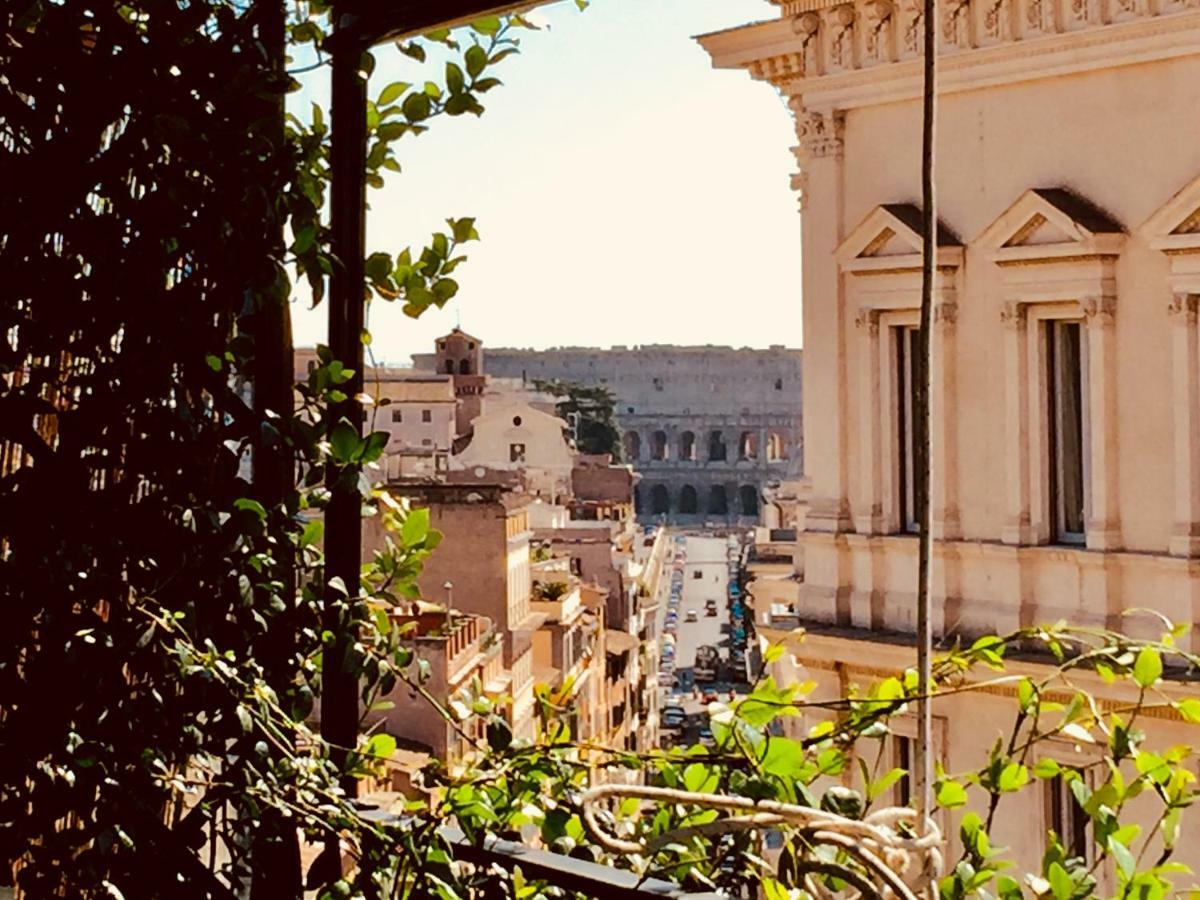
(837, 37)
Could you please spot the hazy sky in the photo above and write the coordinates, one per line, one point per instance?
(625, 191)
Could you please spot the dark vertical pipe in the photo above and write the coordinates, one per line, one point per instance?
(343, 525)
(923, 436)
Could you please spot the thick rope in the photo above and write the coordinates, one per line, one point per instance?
(896, 865)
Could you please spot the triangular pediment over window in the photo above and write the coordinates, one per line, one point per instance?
(1052, 223)
(890, 238)
(1175, 228)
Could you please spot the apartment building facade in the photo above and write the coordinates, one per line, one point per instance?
(1066, 445)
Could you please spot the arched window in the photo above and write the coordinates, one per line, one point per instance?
(716, 446)
(464, 367)
(687, 445)
(660, 500)
(748, 499)
(748, 445)
(658, 445)
(633, 446)
(776, 447)
(718, 501)
(449, 367)
(688, 502)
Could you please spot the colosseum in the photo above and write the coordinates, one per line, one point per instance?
(707, 427)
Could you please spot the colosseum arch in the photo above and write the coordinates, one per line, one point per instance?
(660, 500)
(748, 445)
(687, 445)
(631, 443)
(639, 504)
(659, 445)
(716, 446)
(776, 447)
(748, 499)
(689, 503)
(718, 500)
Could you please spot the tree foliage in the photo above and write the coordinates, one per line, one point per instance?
(594, 408)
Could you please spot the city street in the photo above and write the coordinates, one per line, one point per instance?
(705, 577)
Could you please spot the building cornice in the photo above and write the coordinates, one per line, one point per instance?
(798, 54)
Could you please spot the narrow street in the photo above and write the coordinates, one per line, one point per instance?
(705, 577)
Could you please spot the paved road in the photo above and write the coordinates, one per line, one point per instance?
(707, 556)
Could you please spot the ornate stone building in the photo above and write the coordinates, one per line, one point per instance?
(707, 427)
(1066, 409)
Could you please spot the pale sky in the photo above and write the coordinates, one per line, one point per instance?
(625, 192)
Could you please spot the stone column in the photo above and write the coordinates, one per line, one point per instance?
(1017, 526)
(825, 390)
(1103, 523)
(1185, 359)
(870, 442)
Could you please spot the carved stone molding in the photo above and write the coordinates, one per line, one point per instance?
(956, 24)
(878, 22)
(868, 320)
(821, 134)
(840, 23)
(1184, 307)
(945, 313)
(1099, 310)
(1014, 314)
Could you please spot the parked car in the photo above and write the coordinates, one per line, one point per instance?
(691, 616)
(673, 717)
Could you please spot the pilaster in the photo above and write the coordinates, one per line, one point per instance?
(1018, 528)
(820, 134)
(1103, 520)
(870, 448)
(1185, 361)
(943, 410)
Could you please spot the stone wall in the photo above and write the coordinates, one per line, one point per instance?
(671, 402)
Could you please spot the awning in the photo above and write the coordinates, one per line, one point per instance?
(619, 642)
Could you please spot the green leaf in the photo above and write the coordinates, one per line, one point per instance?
(885, 781)
(1123, 857)
(699, 778)
(951, 794)
(415, 527)
(784, 758)
(344, 442)
(214, 362)
(312, 533)
(1148, 668)
(476, 60)
(1025, 694)
(372, 447)
(487, 25)
(248, 505)
(416, 107)
(1013, 777)
(1047, 768)
(454, 78)
(392, 92)
(1189, 710)
(1060, 882)
(381, 746)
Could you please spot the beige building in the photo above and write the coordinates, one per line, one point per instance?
(484, 558)
(516, 437)
(462, 651)
(1067, 360)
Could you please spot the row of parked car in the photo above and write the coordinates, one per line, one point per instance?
(666, 666)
